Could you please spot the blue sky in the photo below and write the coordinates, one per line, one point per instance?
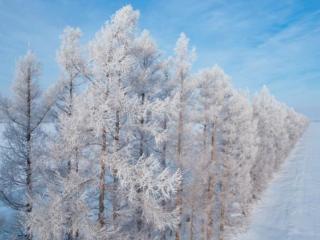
(276, 43)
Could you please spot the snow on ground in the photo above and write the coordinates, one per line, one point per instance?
(290, 207)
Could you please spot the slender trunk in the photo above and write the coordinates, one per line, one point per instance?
(164, 146)
(116, 147)
(117, 134)
(70, 96)
(163, 166)
(211, 188)
(71, 234)
(114, 170)
(180, 120)
(180, 130)
(205, 156)
(28, 160)
(102, 178)
(213, 147)
(69, 112)
(139, 220)
(179, 201)
(141, 150)
(76, 163)
(179, 206)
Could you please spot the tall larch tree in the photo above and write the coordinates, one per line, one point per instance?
(181, 74)
(213, 88)
(110, 54)
(25, 113)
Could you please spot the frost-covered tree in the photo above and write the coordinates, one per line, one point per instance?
(73, 68)
(73, 72)
(125, 67)
(296, 124)
(182, 64)
(213, 87)
(21, 154)
(144, 82)
(110, 53)
(238, 153)
(269, 114)
(263, 112)
(275, 134)
(181, 78)
(63, 211)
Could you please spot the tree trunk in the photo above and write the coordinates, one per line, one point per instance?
(102, 178)
(180, 130)
(69, 112)
(222, 210)
(114, 170)
(211, 188)
(28, 160)
(179, 201)
(163, 166)
(139, 220)
(141, 150)
(70, 96)
(180, 189)
(164, 146)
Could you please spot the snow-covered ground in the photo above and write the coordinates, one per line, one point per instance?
(290, 207)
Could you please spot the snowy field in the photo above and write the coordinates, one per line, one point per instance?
(290, 208)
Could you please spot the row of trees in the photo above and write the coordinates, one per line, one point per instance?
(137, 146)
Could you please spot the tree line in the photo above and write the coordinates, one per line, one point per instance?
(129, 144)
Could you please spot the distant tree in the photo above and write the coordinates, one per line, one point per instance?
(277, 137)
